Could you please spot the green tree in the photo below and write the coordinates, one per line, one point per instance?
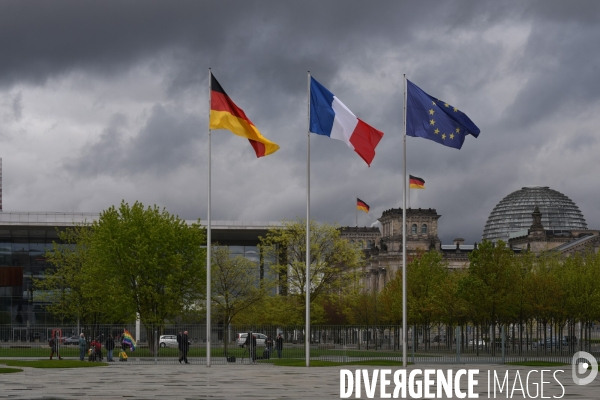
(68, 288)
(489, 287)
(149, 259)
(424, 275)
(333, 260)
(236, 286)
(391, 300)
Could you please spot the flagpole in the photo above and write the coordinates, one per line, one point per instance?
(356, 210)
(404, 314)
(307, 327)
(208, 236)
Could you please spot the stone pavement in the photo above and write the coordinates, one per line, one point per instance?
(194, 381)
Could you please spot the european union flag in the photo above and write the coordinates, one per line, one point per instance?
(433, 119)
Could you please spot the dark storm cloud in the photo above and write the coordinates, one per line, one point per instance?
(564, 68)
(167, 141)
(260, 52)
(271, 37)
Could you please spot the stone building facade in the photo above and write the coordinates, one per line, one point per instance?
(384, 252)
(383, 249)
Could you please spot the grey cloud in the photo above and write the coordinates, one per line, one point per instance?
(17, 106)
(167, 142)
(260, 52)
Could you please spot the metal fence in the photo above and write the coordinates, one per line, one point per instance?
(426, 344)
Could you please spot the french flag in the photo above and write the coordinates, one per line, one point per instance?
(330, 117)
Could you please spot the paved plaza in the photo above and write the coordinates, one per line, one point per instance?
(194, 381)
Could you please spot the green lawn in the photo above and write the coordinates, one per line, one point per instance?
(296, 362)
(200, 351)
(53, 364)
(9, 370)
(538, 363)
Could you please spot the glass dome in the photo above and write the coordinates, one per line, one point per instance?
(513, 213)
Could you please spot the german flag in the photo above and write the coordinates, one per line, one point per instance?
(416, 183)
(361, 205)
(224, 114)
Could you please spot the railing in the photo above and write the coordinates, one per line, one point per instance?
(432, 344)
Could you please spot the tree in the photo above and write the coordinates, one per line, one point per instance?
(149, 259)
(489, 287)
(68, 288)
(333, 259)
(391, 300)
(235, 285)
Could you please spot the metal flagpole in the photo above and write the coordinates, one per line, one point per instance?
(208, 238)
(356, 210)
(307, 327)
(404, 314)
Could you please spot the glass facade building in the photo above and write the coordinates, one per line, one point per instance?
(26, 236)
(513, 213)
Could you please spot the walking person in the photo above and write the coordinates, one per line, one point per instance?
(179, 347)
(54, 346)
(253, 348)
(82, 346)
(184, 347)
(110, 346)
(279, 345)
(250, 346)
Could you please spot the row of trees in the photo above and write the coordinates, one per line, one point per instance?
(137, 261)
(499, 288)
(146, 263)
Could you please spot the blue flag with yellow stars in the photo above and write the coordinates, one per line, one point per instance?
(433, 119)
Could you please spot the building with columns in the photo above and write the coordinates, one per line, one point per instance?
(534, 218)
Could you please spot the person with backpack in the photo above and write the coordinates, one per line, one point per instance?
(54, 346)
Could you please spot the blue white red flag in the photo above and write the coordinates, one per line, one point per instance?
(330, 117)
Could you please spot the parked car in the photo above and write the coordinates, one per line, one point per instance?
(168, 341)
(555, 342)
(260, 339)
(477, 342)
(73, 340)
(439, 339)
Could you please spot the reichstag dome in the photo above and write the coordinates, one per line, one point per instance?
(513, 213)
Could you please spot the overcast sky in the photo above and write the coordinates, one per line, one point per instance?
(108, 100)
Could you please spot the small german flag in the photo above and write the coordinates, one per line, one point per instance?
(361, 205)
(416, 183)
(224, 114)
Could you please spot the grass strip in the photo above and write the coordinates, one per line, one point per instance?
(53, 364)
(297, 362)
(538, 363)
(9, 370)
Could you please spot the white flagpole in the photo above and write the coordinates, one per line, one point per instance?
(307, 327)
(404, 314)
(208, 238)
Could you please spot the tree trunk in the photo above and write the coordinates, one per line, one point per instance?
(152, 348)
